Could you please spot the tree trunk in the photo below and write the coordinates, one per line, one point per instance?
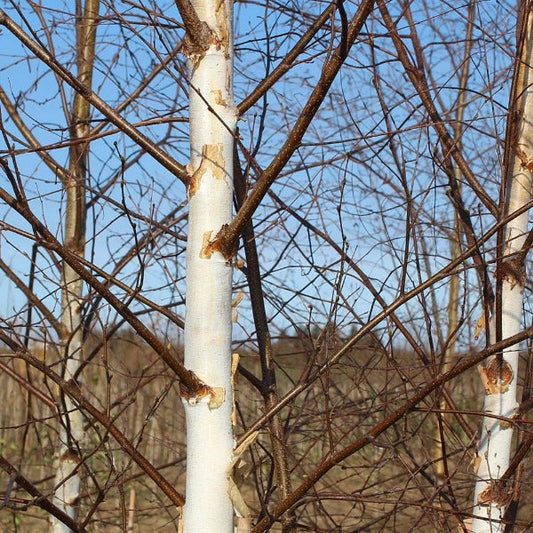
(455, 251)
(67, 480)
(500, 372)
(213, 115)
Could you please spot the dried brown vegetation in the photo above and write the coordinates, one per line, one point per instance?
(396, 475)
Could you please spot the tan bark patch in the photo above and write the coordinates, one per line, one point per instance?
(234, 304)
(495, 494)
(213, 155)
(525, 161)
(207, 250)
(218, 395)
(194, 181)
(243, 446)
(212, 159)
(475, 464)
(496, 375)
(236, 498)
(219, 244)
(192, 397)
(481, 326)
(217, 97)
(222, 27)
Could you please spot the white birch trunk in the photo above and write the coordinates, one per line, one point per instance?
(212, 122)
(71, 431)
(500, 383)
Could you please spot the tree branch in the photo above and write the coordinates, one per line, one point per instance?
(73, 390)
(198, 36)
(418, 81)
(39, 499)
(286, 63)
(330, 462)
(229, 236)
(189, 381)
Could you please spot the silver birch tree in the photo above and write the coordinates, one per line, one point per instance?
(71, 429)
(347, 175)
(212, 122)
(499, 373)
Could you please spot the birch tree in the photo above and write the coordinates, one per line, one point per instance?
(500, 372)
(212, 123)
(71, 431)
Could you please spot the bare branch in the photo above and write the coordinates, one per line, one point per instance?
(419, 83)
(230, 234)
(40, 499)
(198, 35)
(46, 239)
(370, 436)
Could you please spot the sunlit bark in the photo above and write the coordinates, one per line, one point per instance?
(68, 475)
(500, 372)
(208, 322)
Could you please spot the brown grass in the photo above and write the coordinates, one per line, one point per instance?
(390, 485)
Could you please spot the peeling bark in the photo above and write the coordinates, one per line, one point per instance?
(208, 321)
(500, 371)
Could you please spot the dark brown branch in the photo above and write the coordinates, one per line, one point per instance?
(448, 270)
(416, 76)
(228, 238)
(32, 299)
(39, 499)
(330, 462)
(343, 46)
(198, 34)
(268, 382)
(286, 63)
(188, 380)
(73, 390)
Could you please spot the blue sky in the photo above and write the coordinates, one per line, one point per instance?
(343, 198)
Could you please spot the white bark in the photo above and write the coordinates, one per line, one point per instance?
(67, 478)
(71, 431)
(495, 446)
(207, 338)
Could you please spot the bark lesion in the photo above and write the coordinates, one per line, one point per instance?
(223, 39)
(497, 493)
(193, 395)
(496, 375)
(228, 248)
(513, 272)
(525, 161)
(212, 160)
(216, 395)
(198, 37)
